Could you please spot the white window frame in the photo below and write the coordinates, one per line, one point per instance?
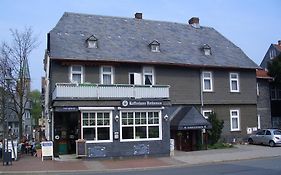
(259, 121)
(111, 73)
(204, 111)
(76, 72)
(137, 78)
(258, 89)
(155, 48)
(97, 126)
(210, 78)
(148, 73)
(134, 125)
(238, 120)
(234, 80)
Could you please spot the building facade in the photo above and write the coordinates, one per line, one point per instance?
(125, 86)
(275, 92)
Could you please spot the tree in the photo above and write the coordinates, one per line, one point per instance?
(274, 70)
(36, 110)
(214, 134)
(14, 63)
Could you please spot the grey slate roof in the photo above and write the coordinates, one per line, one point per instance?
(127, 40)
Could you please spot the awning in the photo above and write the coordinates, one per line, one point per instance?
(187, 118)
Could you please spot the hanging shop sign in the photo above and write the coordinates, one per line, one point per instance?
(141, 103)
(66, 109)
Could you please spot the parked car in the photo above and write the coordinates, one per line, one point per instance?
(269, 137)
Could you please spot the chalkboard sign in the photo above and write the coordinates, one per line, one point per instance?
(141, 149)
(80, 148)
(97, 151)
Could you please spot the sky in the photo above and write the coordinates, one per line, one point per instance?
(250, 24)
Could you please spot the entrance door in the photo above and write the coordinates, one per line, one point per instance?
(186, 140)
(66, 132)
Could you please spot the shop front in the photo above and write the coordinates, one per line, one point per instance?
(131, 128)
(188, 129)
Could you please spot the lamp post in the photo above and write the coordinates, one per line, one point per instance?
(5, 96)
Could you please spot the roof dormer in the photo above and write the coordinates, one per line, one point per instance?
(206, 49)
(154, 46)
(92, 42)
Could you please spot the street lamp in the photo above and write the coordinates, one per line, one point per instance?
(7, 81)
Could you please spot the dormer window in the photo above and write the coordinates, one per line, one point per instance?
(207, 49)
(154, 46)
(92, 42)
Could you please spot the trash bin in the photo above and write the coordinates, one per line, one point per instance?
(7, 157)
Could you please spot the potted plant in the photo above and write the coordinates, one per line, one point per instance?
(38, 150)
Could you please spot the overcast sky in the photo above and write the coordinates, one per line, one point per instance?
(250, 24)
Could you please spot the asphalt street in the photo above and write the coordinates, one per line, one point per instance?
(265, 166)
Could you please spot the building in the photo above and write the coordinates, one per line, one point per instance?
(273, 51)
(263, 96)
(128, 85)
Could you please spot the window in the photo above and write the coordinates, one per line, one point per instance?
(207, 49)
(155, 46)
(259, 121)
(234, 120)
(148, 76)
(258, 90)
(207, 81)
(140, 125)
(207, 113)
(273, 94)
(234, 82)
(76, 74)
(106, 75)
(135, 78)
(92, 42)
(268, 133)
(96, 126)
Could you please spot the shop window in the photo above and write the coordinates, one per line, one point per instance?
(96, 126)
(140, 125)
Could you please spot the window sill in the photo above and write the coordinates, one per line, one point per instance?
(139, 140)
(100, 141)
(238, 130)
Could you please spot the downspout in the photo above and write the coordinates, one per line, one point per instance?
(201, 91)
(201, 101)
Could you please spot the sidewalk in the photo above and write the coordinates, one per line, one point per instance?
(32, 165)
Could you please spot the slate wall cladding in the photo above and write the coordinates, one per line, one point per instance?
(248, 118)
(184, 82)
(117, 148)
(263, 103)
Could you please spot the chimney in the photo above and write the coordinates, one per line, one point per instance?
(194, 22)
(138, 15)
(279, 42)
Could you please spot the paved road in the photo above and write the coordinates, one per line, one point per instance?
(265, 166)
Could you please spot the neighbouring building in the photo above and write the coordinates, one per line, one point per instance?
(126, 86)
(273, 51)
(263, 96)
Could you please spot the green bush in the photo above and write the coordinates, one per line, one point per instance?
(214, 134)
(37, 146)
